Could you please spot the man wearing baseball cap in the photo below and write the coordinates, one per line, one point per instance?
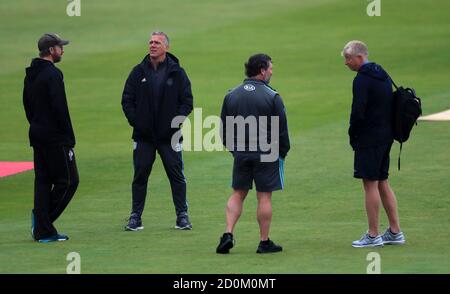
(52, 138)
(48, 44)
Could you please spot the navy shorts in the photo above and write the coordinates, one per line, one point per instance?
(372, 163)
(268, 176)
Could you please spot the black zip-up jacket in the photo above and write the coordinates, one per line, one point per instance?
(45, 103)
(255, 98)
(370, 119)
(150, 117)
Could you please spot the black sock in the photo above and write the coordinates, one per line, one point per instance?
(392, 232)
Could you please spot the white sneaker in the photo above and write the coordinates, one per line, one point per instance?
(367, 241)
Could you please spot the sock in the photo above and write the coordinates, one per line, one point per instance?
(392, 232)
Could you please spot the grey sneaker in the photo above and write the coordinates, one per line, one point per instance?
(367, 241)
(394, 239)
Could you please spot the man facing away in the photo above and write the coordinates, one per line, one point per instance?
(263, 109)
(157, 91)
(52, 138)
(371, 138)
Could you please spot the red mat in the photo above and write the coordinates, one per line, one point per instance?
(11, 168)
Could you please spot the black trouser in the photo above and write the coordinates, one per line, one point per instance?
(56, 180)
(143, 157)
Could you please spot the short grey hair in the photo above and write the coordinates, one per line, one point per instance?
(156, 33)
(355, 48)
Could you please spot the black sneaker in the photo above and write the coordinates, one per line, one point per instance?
(54, 238)
(33, 223)
(268, 247)
(134, 224)
(225, 244)
(182, 222)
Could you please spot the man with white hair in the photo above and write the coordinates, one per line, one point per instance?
(371, 138)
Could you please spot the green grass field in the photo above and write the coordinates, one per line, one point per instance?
(321, 209)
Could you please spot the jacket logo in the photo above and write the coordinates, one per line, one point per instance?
(178, 147)
(170, 82)
(249, 87)
(143, 80)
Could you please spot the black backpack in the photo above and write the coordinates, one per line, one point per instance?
(407, 108)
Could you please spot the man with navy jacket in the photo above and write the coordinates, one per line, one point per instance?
(371, 138)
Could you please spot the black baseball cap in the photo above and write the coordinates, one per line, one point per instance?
(49, 40)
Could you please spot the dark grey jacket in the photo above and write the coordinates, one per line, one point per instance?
(255, 98)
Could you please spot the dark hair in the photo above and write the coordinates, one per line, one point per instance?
(44, 53)
(255, 63)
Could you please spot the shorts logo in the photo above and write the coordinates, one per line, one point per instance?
(178, 147)
(70, 155)
(249, 87)
(143, 80)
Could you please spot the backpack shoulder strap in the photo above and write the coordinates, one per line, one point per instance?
(392, 81)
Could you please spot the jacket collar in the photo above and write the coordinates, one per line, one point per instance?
(257, 81)
(172, 62)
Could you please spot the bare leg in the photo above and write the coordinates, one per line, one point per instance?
(234, 208)
(264, 213)
(372, 196)
(390, 205)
